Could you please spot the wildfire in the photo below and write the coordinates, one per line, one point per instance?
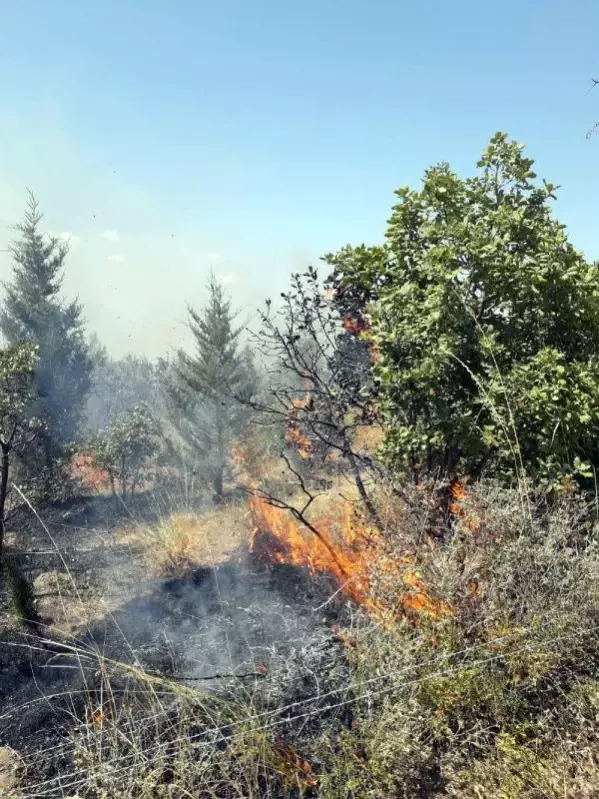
(355, 326)
(349, 551)
(293, 433)
(303, 445)
(291, 765)
(91, 476)
(345, 547)
(459, 507)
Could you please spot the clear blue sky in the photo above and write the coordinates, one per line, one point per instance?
(255, 135)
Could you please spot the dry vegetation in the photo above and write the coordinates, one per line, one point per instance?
(468, 669)
(182, 541)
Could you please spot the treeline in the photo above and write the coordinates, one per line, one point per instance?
(63, 395)
(469, 337)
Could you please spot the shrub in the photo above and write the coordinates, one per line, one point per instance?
(485, 321)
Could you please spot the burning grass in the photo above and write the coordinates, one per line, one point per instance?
(347, 549)
(481, 682)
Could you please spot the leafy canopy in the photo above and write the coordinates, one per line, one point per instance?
(125, 449)
(486, 324)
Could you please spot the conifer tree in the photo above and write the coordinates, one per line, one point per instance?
(34, 311)
(208, 388)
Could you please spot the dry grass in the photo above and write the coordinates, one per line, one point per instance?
(498, 698)
(185, 540)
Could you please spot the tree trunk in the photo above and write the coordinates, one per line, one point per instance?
(3, 493)
(217, 482)
(123, 481)
(366, 500)
(217, 485)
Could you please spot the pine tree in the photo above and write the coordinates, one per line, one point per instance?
(34, 311)
(208, 389)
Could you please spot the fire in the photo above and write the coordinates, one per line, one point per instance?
(458, 506)
(303, 445)
(91, 476)
(293, 432)
(292, 766)
(340, 544)
(276, 536)
(355, 326)
(350, 552)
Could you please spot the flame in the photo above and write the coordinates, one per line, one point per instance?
(355, 326)
(292, 766)
(293, 432)
(293, 435)
(340, 544)
(459, 507)
(350, 552)
(83, 469)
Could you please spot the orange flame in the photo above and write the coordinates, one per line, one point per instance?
(302, 443)
(292, 766)
(82, 468)
(458, 506)
(345, 547)
(355, 326)
(350, 557)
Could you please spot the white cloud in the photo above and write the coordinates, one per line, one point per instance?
(117, 258)
(213, 256)
(228, 278)
(111, 235)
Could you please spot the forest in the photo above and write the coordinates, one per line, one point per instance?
(349, 550)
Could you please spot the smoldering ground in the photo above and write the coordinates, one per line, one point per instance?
(236, 627)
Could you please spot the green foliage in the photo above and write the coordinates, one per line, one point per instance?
(17, 385)
(207, 389)
(125, 449)
(18, 427)
(19, 592)
(34, 312)
(486, 322)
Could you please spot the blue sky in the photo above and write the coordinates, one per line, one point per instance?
(252, 136)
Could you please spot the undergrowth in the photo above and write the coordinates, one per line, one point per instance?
(497, 697)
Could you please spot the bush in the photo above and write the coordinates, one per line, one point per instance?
(485, 323)
(482, 701)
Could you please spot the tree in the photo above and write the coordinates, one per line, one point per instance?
(18, 428)
(118, 385)
(35, 312)
(486, 324)
(207, 390)
(321, 389)
(125, 449)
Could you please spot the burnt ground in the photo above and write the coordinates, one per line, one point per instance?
(232, 620)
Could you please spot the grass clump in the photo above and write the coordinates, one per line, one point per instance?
(19, 592)
(183, 541)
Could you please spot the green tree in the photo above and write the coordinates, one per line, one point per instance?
(486, 324)
(18, 428)
(126, 448)
(207, 390)
(34, 311)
